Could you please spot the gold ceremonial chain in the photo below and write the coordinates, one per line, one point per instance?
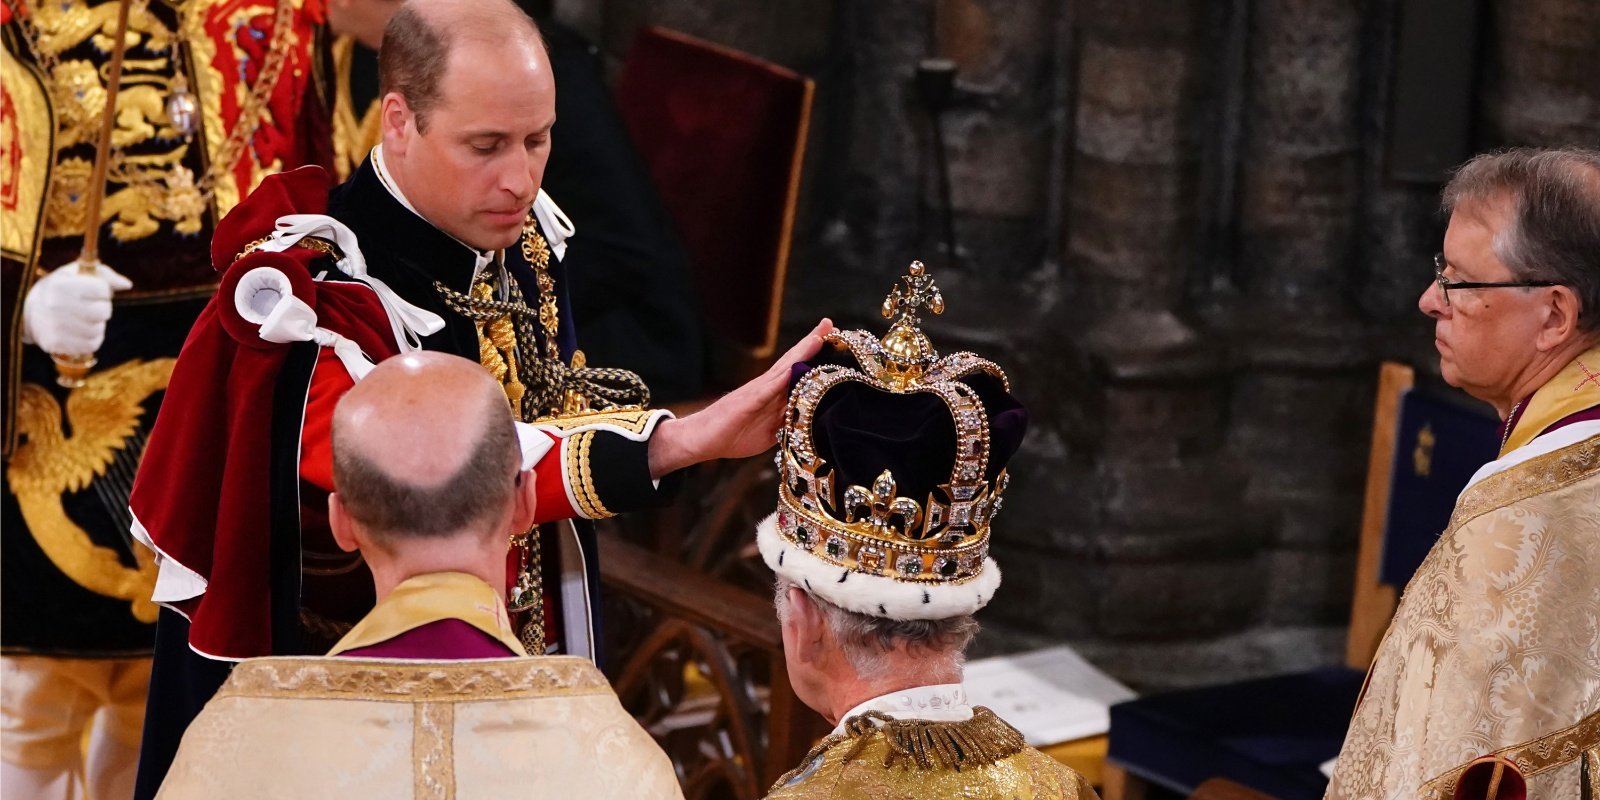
(487, 312)
(537, 251)
(497, 344)
(528, 594)
(538, 385)
(570, 388)
(252, 112)
(549, 386)
(553, 387)
(316, 243)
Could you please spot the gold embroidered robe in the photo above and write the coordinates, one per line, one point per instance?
(870, 761)
(75, 586)
(1495, 647)
(355, 728)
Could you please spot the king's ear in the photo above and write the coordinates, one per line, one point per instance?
(807, 626)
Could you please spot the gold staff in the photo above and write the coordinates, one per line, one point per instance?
(71, 368)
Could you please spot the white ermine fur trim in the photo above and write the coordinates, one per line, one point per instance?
(873, 595)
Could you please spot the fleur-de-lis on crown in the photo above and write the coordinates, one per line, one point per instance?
(883, 509)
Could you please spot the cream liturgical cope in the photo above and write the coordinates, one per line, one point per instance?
(1495, 648)
(369, 728)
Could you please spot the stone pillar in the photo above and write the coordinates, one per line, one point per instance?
(1300, 403)
(1545, 87)
(1300, 168)
(1161, 555)
(1130, 207)
(1399, 228)
(883, 169)
(997, 136)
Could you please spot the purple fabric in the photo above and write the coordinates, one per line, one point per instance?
(445, 640)
(1586, 415)
(862, 431)
(1510, 423)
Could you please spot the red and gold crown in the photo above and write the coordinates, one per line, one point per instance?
(892, 468)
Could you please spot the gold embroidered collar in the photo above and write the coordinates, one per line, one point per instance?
(922, 744)
(433, 597)
(1573, 389)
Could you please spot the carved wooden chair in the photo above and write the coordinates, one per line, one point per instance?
(703, 671)
(1269, 736)
(723, 135)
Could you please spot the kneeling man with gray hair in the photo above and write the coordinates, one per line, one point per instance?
(892, 465)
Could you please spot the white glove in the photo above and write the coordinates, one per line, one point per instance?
(66, 310)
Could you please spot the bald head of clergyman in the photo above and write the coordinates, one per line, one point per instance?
(426, 471)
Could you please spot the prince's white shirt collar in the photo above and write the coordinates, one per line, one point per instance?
(484, 257)
(553, 222)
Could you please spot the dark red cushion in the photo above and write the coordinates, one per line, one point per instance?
(721, 134)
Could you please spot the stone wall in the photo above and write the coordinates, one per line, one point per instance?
(1176, 229)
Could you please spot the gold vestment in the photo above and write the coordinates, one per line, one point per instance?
(354, 728)
(982, 757)
(1495, 648)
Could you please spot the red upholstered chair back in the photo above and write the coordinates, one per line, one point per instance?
(722, 134)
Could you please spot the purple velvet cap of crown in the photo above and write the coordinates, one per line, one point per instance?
(861, 431)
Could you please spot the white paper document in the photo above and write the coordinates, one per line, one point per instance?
(1051, 695)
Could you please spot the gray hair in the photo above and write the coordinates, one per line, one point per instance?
(867, 640)
(1554, 198)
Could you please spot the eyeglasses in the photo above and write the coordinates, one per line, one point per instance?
(1446, 284)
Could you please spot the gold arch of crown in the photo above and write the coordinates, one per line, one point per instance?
(944, 537)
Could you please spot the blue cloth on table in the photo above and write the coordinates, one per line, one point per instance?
(1270, 734)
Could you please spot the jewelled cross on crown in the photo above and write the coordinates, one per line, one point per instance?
(916, 291)
(882, 506)
(906, 350)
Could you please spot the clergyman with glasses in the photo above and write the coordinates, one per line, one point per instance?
(1487, 683)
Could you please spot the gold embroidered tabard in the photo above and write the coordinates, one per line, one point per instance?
(358, 728)
(355, 131)
(102, 415)
(153, 182)
(1495, 647)
(881, 757)
(199, 80)
(27, 151)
